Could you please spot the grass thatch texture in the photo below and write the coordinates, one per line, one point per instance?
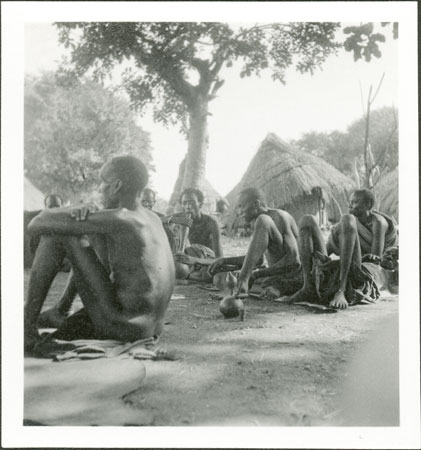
(387, 193)
(287, 177)
(33, 199)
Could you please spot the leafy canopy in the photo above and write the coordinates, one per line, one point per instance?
(340, 148)
(173, 66)
(71, 132)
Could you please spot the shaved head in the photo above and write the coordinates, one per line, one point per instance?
(130, 170)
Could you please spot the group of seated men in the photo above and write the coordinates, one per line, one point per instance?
(125, 257)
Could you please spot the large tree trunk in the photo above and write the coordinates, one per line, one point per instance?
(194, 173)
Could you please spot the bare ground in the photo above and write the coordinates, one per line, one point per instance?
(284, 365)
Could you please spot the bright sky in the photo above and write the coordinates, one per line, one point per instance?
(248, 109)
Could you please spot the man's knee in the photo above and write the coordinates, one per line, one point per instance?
(308, 221)
(348, 223)
(264, 223)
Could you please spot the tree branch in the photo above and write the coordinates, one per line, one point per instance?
(378, 88)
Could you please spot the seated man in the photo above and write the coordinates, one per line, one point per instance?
(126, 287)
(204, 237)
(148, 200)
(54, 316)
(274, 236)
(360, 239)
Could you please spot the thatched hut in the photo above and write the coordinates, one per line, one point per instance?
(33, 199)
(210, 193)
(387, 193)
(295, 181)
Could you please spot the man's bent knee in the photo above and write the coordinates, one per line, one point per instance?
(348, 222)
(308, 221)
(264, 223)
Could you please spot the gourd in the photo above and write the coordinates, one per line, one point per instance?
(231, 306)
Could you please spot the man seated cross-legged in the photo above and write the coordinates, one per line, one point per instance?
(366, 242)
(126, 283)
(203, 236)
(274, 236)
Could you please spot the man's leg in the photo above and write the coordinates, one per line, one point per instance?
(310, 240)
(265, 230)
(47, 261)
(349, 249)
(97, 293)
(54, 317)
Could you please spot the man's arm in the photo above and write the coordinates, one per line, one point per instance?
(379, 233)
(64, 221)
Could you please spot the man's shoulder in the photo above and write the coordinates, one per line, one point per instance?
(380, 219)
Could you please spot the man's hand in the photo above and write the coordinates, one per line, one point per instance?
(81, 213)
(216, 267)
(242, 287)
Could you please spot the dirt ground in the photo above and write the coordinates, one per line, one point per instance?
(285, 365)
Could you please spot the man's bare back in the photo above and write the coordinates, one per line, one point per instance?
(125, 283)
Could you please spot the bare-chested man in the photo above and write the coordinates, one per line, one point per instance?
(363, 235)
(274, 236)
(54, 316)
(125, 287)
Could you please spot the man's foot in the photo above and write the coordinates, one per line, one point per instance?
(52, 318)
(305, 294)
(339, 301)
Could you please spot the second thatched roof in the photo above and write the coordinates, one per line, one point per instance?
(387, 193)
(287, 176)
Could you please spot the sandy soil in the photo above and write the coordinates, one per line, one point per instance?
(284, 365)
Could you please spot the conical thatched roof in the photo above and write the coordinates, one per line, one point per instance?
(33, 199)
(287, 177)
(210, 193)
(387, 193)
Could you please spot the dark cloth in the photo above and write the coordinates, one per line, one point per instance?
(365, 234)
(76, 326)
(360, 286)
(288, 281)
(201, 230)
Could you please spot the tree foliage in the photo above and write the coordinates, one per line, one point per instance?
(175, 68)
(70, 131)
(341, 148)
(173, 64)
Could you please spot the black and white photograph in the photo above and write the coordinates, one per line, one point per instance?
(203, 207)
